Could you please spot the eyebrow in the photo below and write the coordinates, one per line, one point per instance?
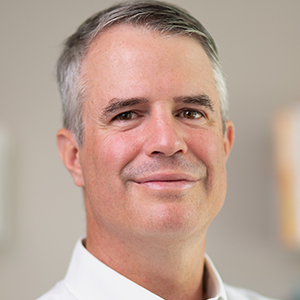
(117, 103)
(202, 100)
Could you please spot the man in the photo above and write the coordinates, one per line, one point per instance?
(146, 136)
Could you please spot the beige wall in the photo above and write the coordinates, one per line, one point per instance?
(259, 44)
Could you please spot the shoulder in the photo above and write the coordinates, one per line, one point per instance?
(58, 292)
(234, 293)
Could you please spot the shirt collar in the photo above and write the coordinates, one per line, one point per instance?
(90, 279)
(215, 289)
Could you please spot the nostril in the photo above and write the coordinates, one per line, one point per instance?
(164, 140)
(166, 152)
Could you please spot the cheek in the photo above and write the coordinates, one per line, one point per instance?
(110, 152)
(207, 146)
(105, 156)
(119, 149)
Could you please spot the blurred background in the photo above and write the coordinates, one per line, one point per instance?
(42, 210)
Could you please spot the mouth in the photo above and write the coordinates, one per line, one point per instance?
(167, 181)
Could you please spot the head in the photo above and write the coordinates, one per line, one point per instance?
(146, 134)
(159, 17)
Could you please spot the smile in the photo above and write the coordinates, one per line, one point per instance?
(167, 184)
(167, 181)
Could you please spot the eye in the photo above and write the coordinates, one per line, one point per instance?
(125, 116)
(191, 114)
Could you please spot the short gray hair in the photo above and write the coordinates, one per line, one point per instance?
(155, 15)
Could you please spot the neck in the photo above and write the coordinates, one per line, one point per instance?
(171, 269)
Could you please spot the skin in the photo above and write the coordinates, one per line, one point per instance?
(153, 161)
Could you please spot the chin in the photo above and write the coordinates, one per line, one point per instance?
(174, 220)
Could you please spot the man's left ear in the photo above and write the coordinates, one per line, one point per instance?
(228, 137)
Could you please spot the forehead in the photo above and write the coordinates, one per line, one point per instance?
(135, 58)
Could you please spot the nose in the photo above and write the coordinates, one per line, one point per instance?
(164, 137)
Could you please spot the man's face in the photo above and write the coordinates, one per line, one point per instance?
(153, 155)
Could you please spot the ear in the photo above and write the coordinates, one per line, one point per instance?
(69, 154)
(228, 137)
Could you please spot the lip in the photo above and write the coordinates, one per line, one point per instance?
(167, 181)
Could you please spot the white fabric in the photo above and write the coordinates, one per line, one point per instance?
(89, 279)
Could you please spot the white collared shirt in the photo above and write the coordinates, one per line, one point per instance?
(90, 279)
